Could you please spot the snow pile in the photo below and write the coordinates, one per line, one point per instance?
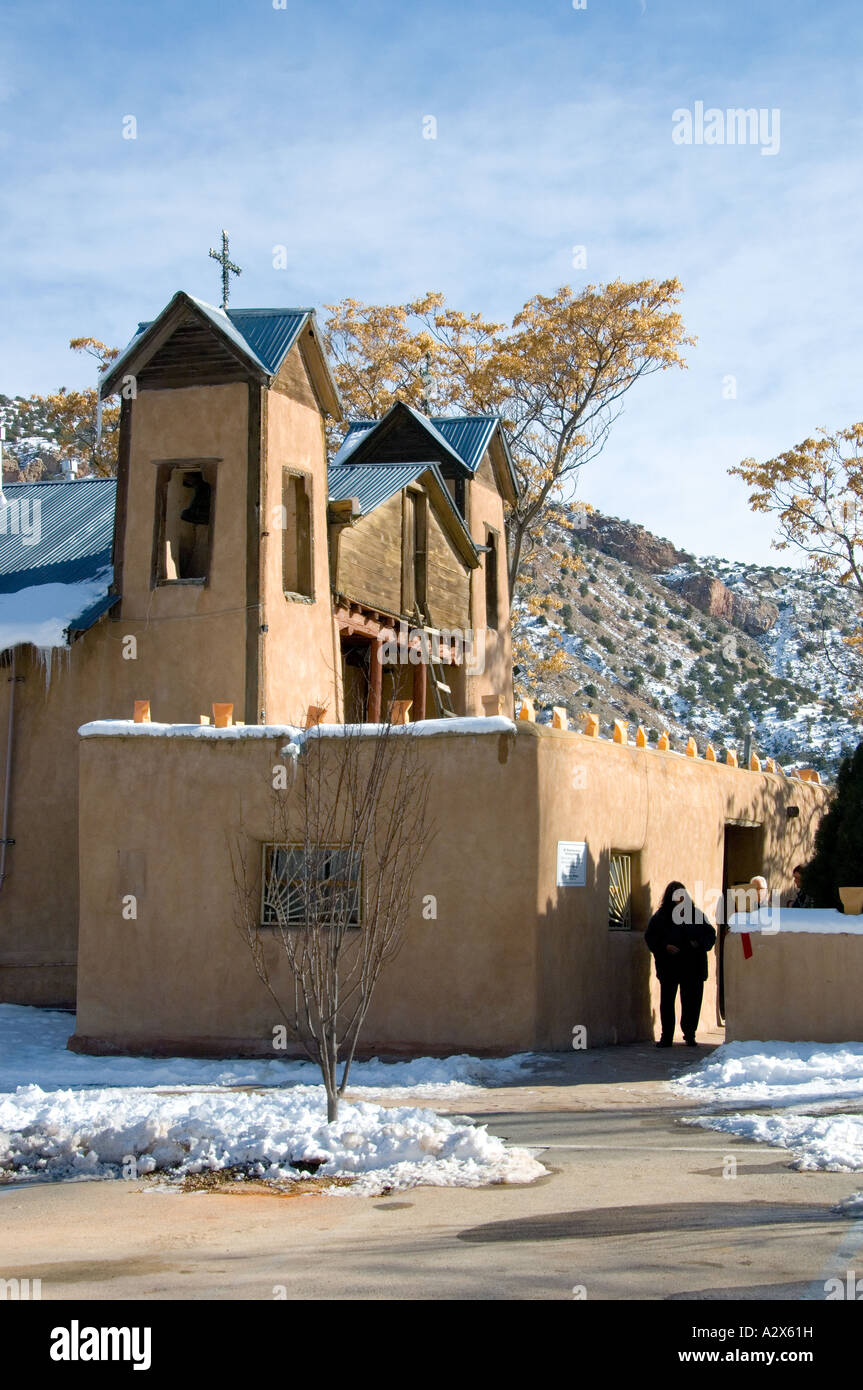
(42, 614)
(776, 1073)
(81, 1116)
(33, 1049)
(97, 1133)
(782, 1074)
(850, 1206)
(827, 1143)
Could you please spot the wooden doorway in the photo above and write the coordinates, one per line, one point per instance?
(743, 858)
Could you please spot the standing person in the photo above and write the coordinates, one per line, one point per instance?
(798, 897)
(679, 945)
(760, 887)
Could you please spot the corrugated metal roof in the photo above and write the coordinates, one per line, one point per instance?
(356, 430)
(371, 483)
(265, 336)
(90, 615)
(471, 436)
(374, 483)
(270, 333)
(74, 526)
(468, 435)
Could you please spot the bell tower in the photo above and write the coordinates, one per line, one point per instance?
(220, 528)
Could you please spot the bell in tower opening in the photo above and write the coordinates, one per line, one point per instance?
(186, 524)
(198, 510)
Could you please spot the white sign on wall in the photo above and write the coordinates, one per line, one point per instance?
(571, 863)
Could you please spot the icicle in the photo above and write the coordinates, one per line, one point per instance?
(44, 654)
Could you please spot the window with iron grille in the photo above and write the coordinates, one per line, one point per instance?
(307, 888)
(620, 891)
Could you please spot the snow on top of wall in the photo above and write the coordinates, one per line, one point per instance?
(42, 613)
(820, 921)
(127, 728)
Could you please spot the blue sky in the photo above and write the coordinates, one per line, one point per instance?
(303, 127)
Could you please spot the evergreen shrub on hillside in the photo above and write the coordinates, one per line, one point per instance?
(838, 858)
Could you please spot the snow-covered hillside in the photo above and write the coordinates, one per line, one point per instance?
(707, 647)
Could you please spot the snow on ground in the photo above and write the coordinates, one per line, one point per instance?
(776, 1073)
(64, 1115)
(33, 1050)
(830, 1143)
(784, 1075)
(850, 1206)
(93, 1133)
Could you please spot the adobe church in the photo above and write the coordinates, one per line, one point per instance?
(232, 563)
(228, 564)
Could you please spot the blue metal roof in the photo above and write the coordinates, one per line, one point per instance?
(265, 336)
(468, 435)
(56, 536)
(356, 431)
(371, 483)
(270, 333)
(362, 428)
(74, 527)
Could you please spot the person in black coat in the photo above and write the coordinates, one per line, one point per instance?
(679, 938)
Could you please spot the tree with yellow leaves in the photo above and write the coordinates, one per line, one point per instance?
(73, 421)
(816, 492)
(556, 375)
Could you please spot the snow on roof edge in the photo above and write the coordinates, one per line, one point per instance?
(127, 728)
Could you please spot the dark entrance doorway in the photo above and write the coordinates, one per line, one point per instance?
(356, 667)
(743, 858)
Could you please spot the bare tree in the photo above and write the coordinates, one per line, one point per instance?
(349, 830)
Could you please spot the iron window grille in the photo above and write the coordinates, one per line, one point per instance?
(317, 887)
(620, 892)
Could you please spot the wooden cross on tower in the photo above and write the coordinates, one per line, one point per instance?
(228, 267)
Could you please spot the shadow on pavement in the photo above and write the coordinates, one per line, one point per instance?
(645, 1220)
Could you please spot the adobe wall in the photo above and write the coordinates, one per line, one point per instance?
(511, 962)
(486, 509)
(39, 898)
(189, 650)
(300, 651)
(190, 637)
(795, 987)
(669, 809)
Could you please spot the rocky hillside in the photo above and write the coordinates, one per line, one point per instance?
(30, 448)
(705, 647)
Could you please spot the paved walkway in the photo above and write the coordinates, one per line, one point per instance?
(635, 1205)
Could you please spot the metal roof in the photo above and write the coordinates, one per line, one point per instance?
(363, 428)
(374, 483)
(468, 435)
(270, 333)
(74, 522)
(371, 483)
(356, 431)
(264, 335)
